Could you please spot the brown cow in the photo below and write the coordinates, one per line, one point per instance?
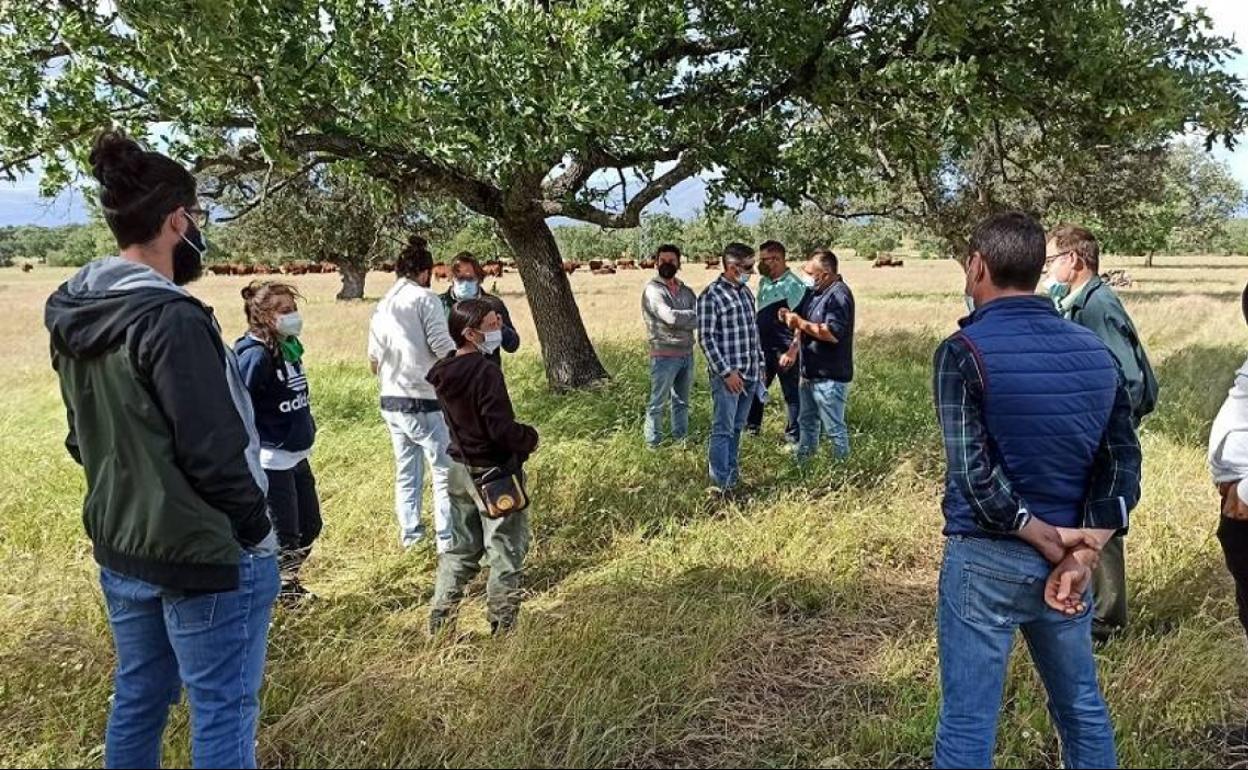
(328, 267)
(595, 265)
(570, 267)
(605, 271)
(648, 264)
(884, 260)
(626, 264)
(27, 267)
(386, 267)
(493, 268)
(218, 269)
(442, 272)
(263, 270)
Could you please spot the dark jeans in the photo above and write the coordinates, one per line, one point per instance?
(788, 385)
(1233, 535)
(296, 512)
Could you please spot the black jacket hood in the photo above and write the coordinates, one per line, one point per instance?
(89, 314)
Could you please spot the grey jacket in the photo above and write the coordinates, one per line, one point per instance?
(670, 321)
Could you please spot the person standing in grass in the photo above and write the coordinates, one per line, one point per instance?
(1072, 261)
(467, 282)
(669, 308)
(270, 357)
(1043, 468)
(778, 289)
(176, 506)
(406, 336)
(824, 328)
(1228, 461)
(728, 334)
(486, 438)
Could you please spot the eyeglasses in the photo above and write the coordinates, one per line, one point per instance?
(197, 215)
(1050, 259)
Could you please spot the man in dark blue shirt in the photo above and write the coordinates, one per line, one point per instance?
(825, 324)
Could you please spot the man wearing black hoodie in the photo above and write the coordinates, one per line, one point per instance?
(162, 424)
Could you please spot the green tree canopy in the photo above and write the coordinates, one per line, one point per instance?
(522, 110)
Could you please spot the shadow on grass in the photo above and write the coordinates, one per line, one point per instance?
(1194, 382)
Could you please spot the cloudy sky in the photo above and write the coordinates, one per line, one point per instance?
(20, 202)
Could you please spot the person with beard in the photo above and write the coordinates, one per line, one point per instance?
(408, 334)
(670, 310)
(161, 422)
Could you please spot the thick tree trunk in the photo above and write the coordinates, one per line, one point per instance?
(569, 355)
(1148, 260)
(352, 281)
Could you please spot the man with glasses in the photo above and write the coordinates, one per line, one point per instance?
(1072, 281)
(728, 334)
(778, 289)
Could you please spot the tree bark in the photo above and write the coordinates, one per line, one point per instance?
(568, 354)
(353, 276)
(1148, 260)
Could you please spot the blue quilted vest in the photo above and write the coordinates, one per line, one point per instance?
(1049, 388)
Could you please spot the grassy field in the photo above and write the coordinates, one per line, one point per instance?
(794, 628)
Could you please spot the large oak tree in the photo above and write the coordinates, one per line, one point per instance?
(594, 109)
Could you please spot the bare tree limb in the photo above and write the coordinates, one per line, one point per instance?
(631, 215)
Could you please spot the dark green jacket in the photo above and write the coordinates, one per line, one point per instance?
(1098, 308)
(160, 427)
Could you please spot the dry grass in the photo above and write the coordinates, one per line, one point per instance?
(794, 628)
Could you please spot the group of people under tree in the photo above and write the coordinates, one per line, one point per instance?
(201, 502)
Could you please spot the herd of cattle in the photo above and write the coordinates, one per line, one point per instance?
(493, 268)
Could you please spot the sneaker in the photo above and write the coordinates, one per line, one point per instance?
(754, 430)
(411, 541)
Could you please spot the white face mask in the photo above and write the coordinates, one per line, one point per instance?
(807, 279)
(290, 324)
(493, 340)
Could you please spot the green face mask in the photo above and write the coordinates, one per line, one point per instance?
(1057, 290)
(292, 349)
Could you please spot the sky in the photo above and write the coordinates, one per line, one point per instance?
(21, 204)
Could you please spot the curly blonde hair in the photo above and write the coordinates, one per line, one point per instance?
(259, 307)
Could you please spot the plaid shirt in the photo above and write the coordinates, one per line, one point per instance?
(1113, 490)
(728, 330)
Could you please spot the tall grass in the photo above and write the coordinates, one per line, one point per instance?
(793, 627)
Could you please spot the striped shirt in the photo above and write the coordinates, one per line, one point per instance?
(728, 330)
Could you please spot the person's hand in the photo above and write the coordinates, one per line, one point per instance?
(1067, 583)
(734, 383)
(1045, 538)
(793, 321)
(1073, 537)
(787, 360)
(784, 315)
(1232, 506)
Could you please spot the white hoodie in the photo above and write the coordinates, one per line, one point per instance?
(1228, 441)
(407, 336)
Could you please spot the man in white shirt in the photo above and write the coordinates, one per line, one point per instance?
(1228, 461)
(408, 334)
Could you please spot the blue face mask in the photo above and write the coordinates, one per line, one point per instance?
(467, 289)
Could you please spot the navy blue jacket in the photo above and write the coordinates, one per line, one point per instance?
(279, 395)
(1045, 390)
(834, 306)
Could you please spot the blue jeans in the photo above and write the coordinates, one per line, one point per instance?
(988, 590)
(669, 377)
(420, 438)
(213, 644)
(729, 413)
(823, 407)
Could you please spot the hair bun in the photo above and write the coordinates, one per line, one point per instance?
(417, 242)
(249, 290)
(117, 162)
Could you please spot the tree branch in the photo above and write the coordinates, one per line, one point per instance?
(631, 214)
